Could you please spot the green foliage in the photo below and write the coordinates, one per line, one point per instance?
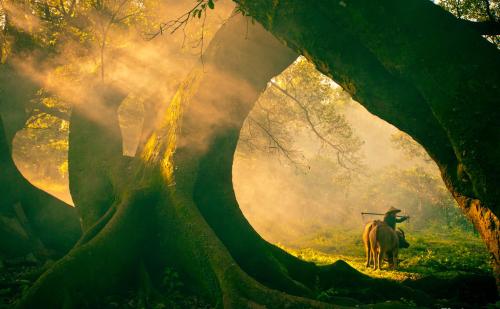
(479, 10)
(211, 4)
(442, 253)
(201, 8)
(53, 28)
(409, 147)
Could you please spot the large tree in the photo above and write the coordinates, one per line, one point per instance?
(174, 205)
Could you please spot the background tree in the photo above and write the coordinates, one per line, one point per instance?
(300, 102)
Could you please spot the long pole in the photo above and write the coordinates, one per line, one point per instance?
(376, 214)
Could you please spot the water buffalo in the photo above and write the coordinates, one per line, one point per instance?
(381, 240)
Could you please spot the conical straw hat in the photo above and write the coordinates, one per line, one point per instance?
(393, 210)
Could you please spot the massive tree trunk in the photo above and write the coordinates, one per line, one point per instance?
(154, 207)
(436, 80)
(169, 210)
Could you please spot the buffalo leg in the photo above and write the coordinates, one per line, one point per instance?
(369, 254)
(380, 259)
(395, 258)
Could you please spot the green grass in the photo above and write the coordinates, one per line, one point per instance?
(438, 251)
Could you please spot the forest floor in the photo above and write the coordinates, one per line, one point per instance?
(453, 262)
(431, 252)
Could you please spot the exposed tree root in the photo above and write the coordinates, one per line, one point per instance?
(170, 223)
(202, 258)
(102, 265)
(107, 262)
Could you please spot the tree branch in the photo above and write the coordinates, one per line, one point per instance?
(182, 21)
(281, 148)
(340, 151)
(488, 10)
(484, 27)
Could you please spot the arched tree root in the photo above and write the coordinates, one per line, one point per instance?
(116, 259)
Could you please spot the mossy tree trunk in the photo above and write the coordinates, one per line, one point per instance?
(178, 197)
(156, 205)
(169, 210)
(95, 157)
(434, 78)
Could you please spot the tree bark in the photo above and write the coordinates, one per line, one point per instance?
(95, 156)
(484, 27)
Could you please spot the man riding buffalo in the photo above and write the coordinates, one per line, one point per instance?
(382, 239)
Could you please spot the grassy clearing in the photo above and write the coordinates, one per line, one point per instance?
(438, 251)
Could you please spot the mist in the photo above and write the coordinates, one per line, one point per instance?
(289, 203)
(283, 198)
(146, 71)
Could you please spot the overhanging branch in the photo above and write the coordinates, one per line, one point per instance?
(484, 27)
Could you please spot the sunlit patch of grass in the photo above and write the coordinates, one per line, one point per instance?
(357, 262)
(432, 252)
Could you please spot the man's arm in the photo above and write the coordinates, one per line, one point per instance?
(402, 219)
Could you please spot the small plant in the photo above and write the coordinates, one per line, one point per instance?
(408, 302)
(171, 282)
(327, 295)
(332, 293)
